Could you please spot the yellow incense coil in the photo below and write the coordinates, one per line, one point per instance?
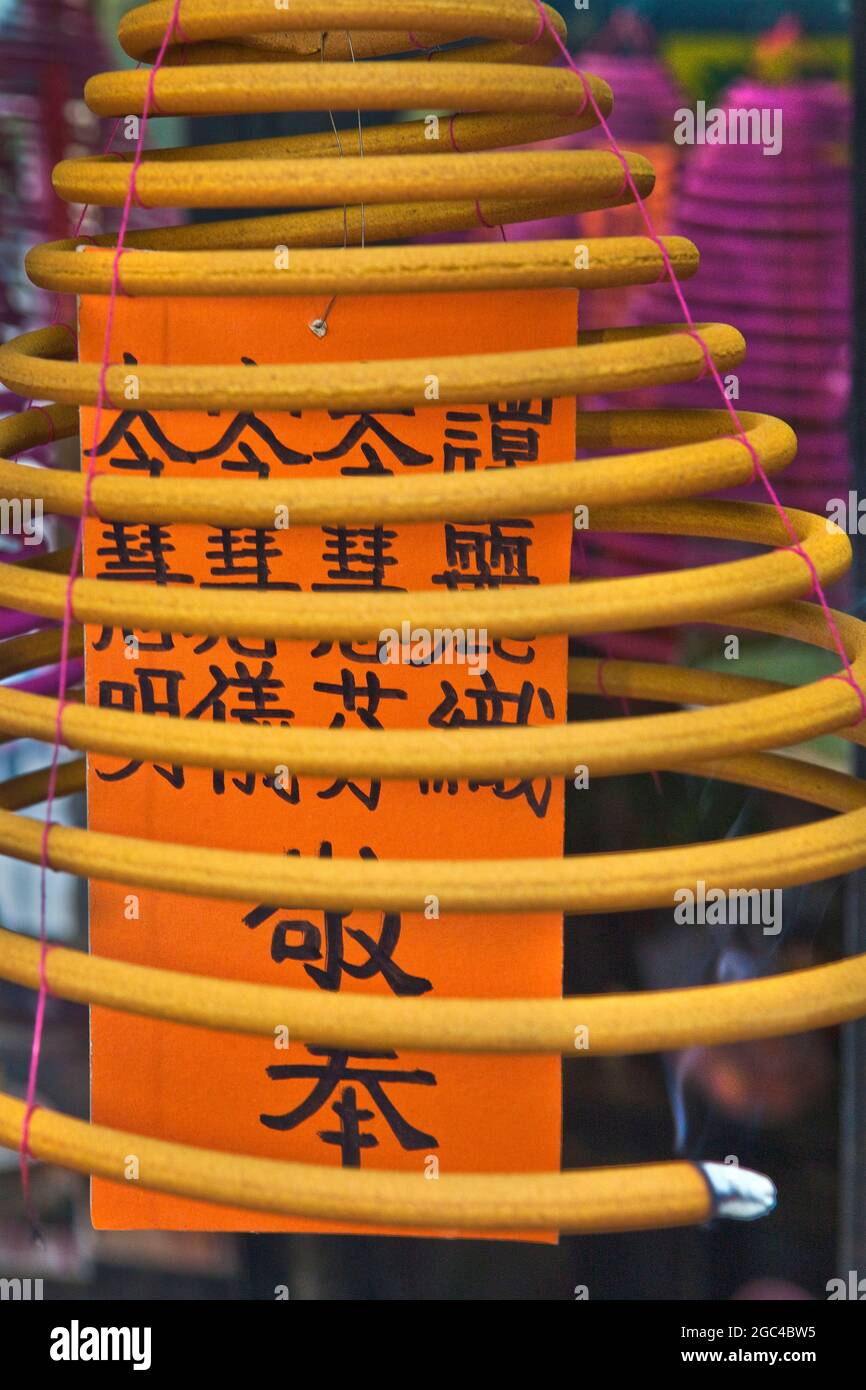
(251, 56)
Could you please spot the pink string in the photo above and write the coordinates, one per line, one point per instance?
(543, 24)
(602, 688)
(52, 433)
(493, 226)
(64, 663)
(710, 366)
(424, 47)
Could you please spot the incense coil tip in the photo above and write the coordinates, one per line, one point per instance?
(739, 1194)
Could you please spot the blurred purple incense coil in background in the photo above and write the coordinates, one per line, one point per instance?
(775, 240)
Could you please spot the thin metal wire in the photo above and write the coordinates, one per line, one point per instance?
(319, 326)
(360, 140)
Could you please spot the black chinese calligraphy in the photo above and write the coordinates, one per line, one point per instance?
(299, 939)
(336, 1071)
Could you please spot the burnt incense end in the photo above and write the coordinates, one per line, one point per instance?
(739, 1194)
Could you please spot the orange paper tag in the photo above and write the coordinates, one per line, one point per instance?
(423, 1113)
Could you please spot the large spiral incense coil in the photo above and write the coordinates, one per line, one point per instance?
(250, 56)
